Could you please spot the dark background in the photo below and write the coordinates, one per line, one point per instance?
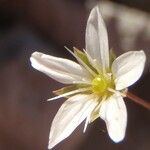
(25, 115)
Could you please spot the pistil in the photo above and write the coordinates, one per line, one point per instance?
(100, 85)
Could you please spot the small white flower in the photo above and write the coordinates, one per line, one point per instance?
(96, 85)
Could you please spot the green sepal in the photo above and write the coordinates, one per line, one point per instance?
(65, 89)
(81, 55)
(94, 114)
(69, 89)
(112, 56)
(84, 58)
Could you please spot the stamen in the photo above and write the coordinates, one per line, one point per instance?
(112, 90)
(69, 93)
(99, 105)
(86, 123)
(123, 94)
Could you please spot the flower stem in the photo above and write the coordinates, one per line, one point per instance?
(138, 100)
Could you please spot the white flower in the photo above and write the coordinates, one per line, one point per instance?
(98, 83)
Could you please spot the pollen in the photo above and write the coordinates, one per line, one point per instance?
(101, 83)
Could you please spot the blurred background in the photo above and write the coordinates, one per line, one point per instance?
(46, 26)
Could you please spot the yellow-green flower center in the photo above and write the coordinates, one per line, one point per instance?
(101, 83)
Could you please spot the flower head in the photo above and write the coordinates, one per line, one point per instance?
(95, 86)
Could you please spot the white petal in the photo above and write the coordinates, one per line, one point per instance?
(69, 116)
(62, 70)
(128, 68)
(97, 38)
(113, 112)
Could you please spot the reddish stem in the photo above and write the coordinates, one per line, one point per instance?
(138, 100)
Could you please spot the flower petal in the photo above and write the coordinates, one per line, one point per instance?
(69, 116)
(97, 39)
(113, 112)
(62, 70)
(128, 68)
